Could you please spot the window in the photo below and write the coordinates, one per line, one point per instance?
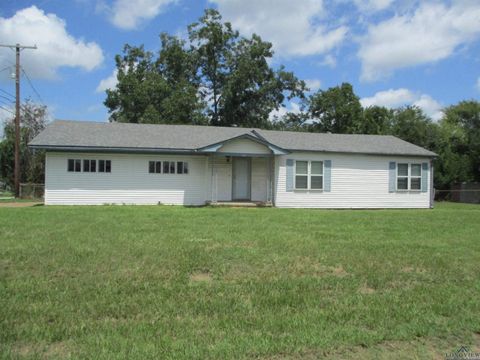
(89, 165)
(415, 177)
(104, 166)
(74, 165)
(169, 167)
(309, 175)
(154, 167)
(182, 167)
(409, 177)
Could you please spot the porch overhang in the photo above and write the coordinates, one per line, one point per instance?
(214, 148)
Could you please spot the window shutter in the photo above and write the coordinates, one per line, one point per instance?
(392, 176)
(424, 177)
(289, 175)
(327, 175)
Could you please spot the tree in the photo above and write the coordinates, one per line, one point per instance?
(33, 121)
(220, 75)
(162, 90)
(377, 120)
(212, 41)
(336, 110)
(463, 119)
(410, 123)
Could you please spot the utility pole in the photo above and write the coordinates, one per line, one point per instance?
(17, 48)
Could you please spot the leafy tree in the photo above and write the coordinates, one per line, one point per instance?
(252, 88)
(213, 41)
(410, 123)
(221, 76)
(162, 90)
(336, 110)
(463, 119)
(33, 121)
(377, 120)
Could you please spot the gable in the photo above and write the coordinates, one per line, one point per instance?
(244, 146)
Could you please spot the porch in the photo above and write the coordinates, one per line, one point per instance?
(243, 180)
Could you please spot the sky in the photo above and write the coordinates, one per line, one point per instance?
(393, 52)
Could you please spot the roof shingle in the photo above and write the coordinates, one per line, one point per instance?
(85, 134)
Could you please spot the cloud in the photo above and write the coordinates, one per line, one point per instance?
(296, 28)
(313, 84)
(478, 84)
(399, 97)
(56, 47)
(108, 83)
(130, 14)
(373, 5)
(292, 107)
(430, 33)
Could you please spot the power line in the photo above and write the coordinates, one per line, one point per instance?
(7, 98)
(4, 108)
(5, 68)
(31, 85)
(6, 92)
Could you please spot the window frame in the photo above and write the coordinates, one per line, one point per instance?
(409, 176)
(184, 167)
(309, 175)
(104, 169)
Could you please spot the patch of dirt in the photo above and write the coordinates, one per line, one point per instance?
(18, 204)
(366, 290)
(57, 350)
(201, 276)
(411, 269)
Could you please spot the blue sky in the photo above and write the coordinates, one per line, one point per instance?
(394, 52)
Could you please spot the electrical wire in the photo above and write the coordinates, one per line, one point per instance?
(33, 87)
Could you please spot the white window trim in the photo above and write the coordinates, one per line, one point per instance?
(409, 177)
(308, 175)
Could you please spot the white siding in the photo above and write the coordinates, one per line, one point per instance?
(357, 181)
(220, 179)
(259, 179)
(128, 183)
(244, 146)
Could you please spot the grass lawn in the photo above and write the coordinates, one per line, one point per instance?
(170, 282)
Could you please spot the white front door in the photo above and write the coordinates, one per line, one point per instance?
(241, 178)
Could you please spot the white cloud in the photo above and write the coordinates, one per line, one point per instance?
(108, 83)
(56, 47)
(294, 27)
(292, 107)
(399, 97)
(373, 5)
(330, 61)
(430, 33)
(389, 98)
(130, 14)
(430, 106)
(313, 84)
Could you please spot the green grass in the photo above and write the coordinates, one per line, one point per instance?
(170, 282)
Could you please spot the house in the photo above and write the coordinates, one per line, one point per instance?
(116, 163)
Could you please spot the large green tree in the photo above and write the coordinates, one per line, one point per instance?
(336, 110)
(463, 123)
(156, 90)
(220, 78)
(33, 121)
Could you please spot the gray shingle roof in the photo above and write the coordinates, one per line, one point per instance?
(63, 134)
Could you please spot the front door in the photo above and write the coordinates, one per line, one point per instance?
(241, 178)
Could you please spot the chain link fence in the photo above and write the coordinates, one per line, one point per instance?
(32, 191)
(462, 192)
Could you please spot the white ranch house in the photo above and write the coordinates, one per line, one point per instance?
(113, 163)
